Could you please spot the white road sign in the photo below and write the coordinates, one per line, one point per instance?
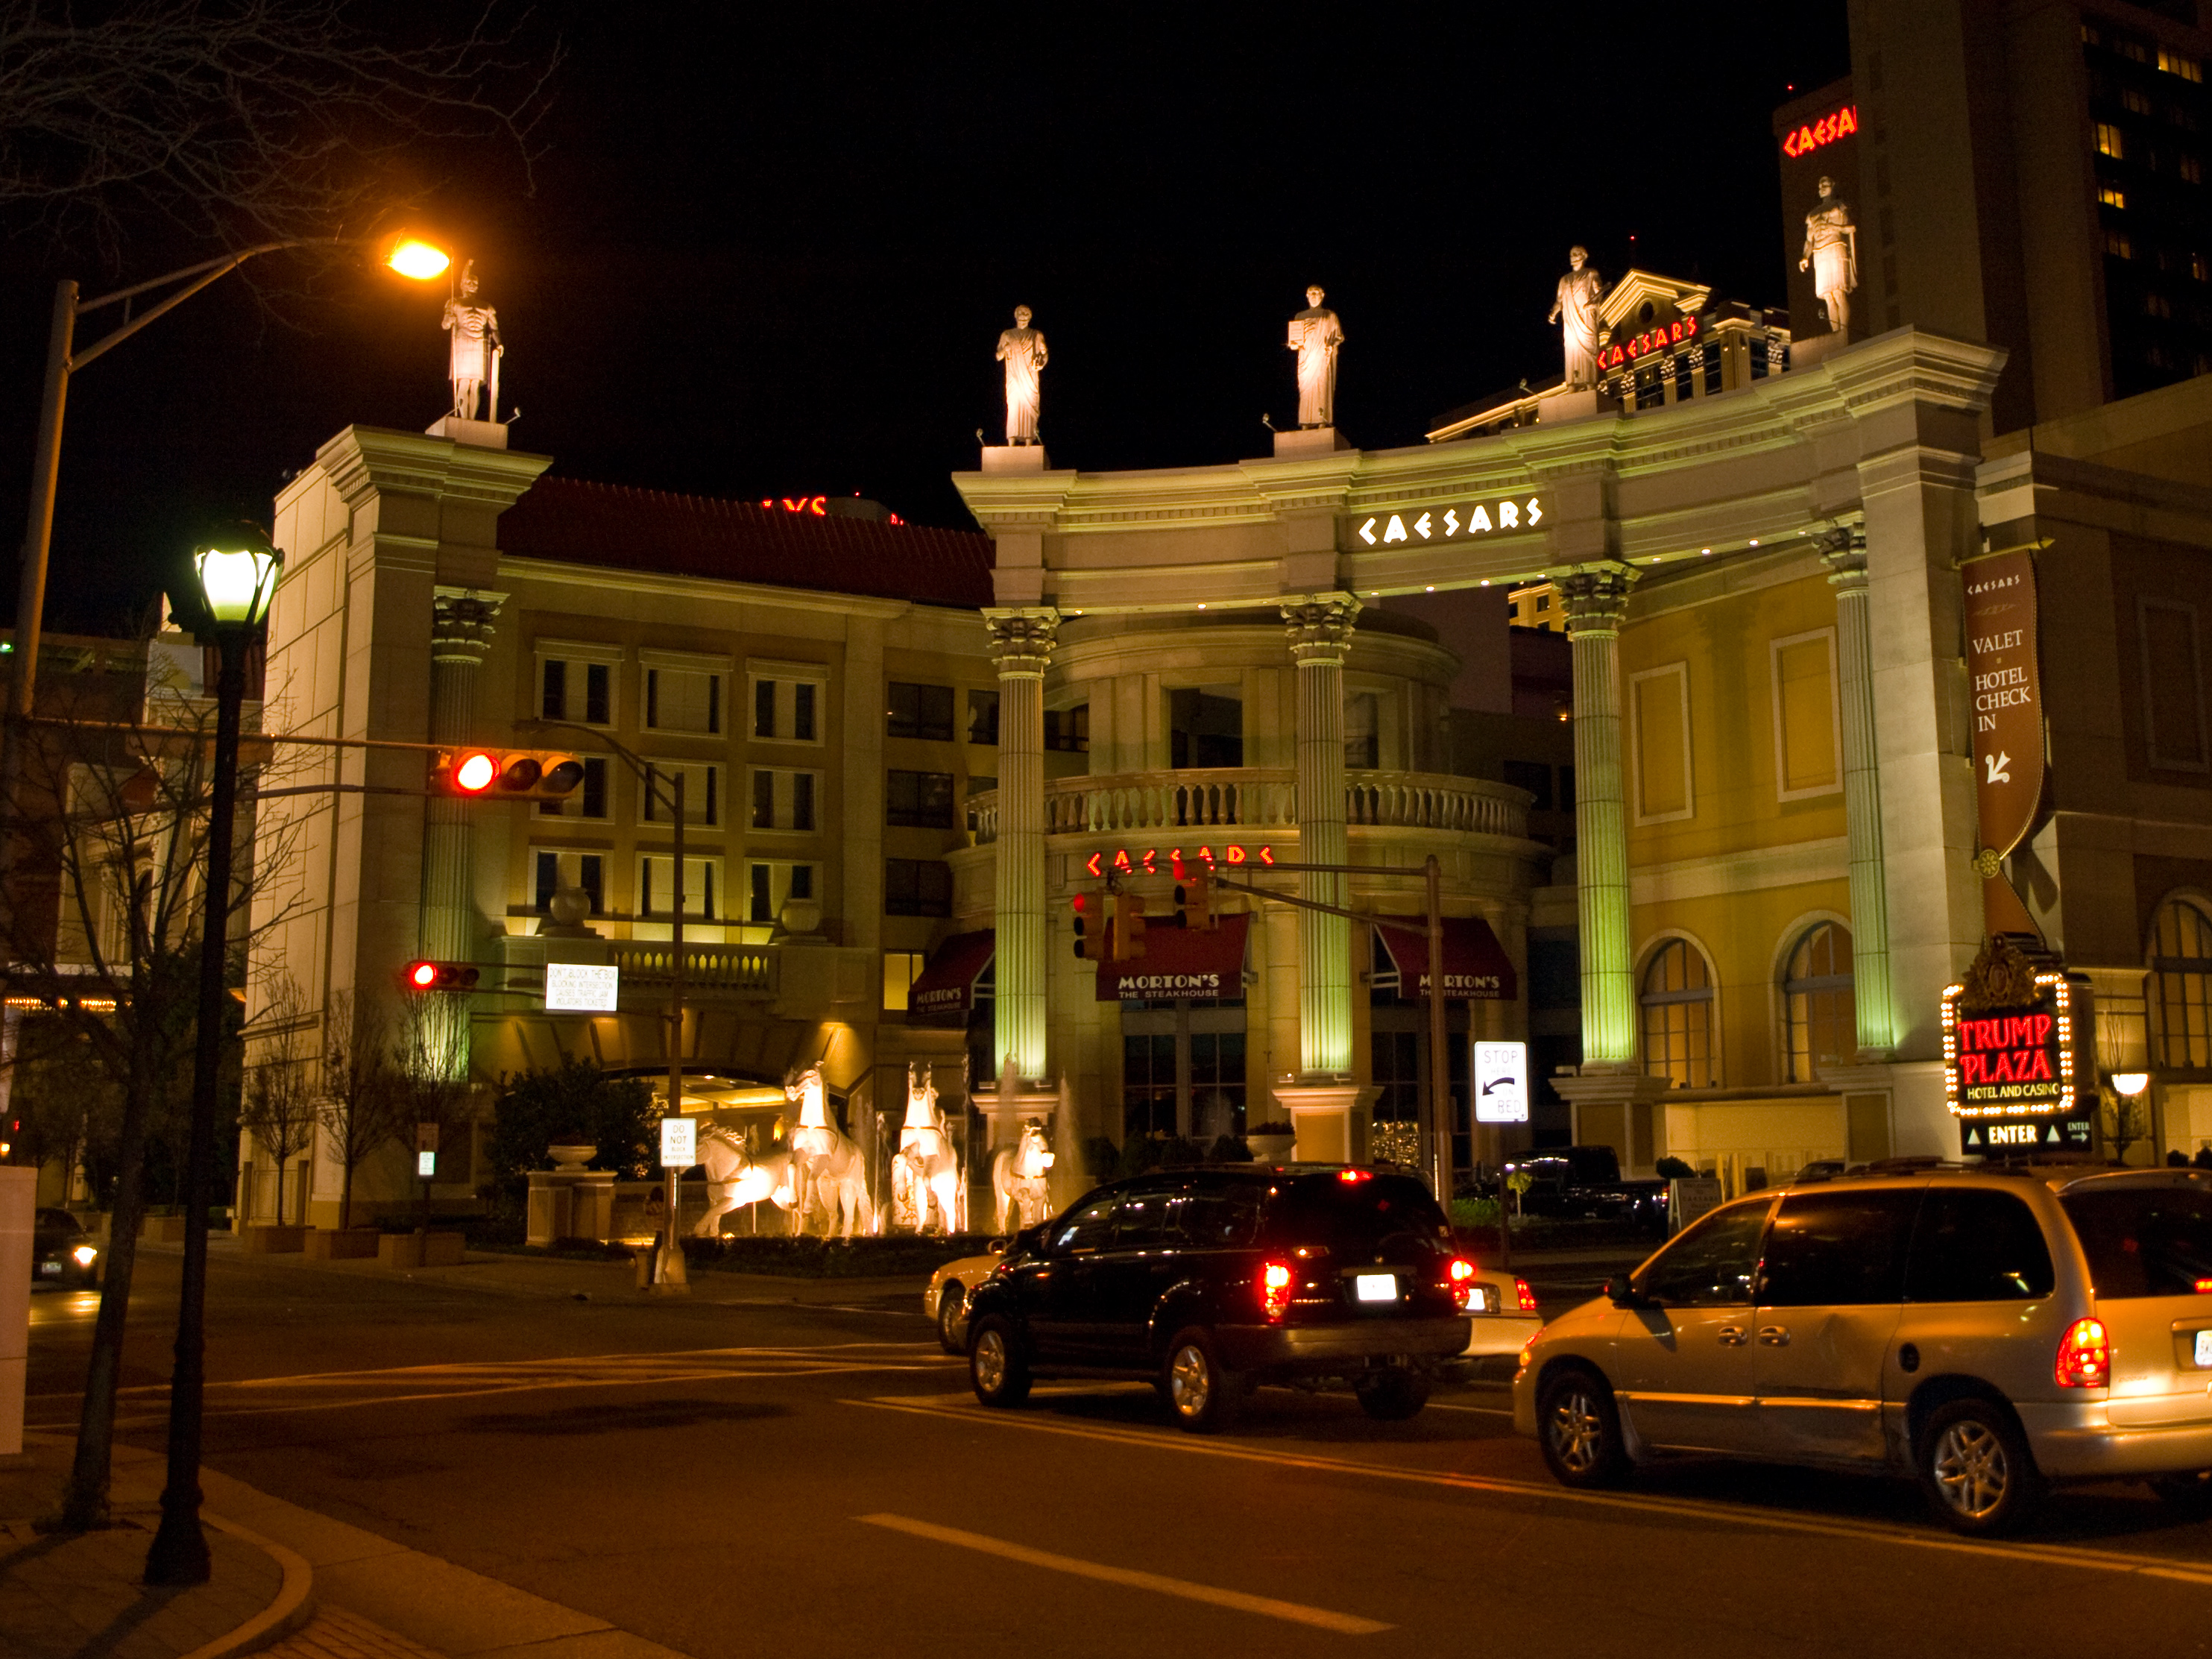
(581, 987)
(1501, 1083)
(679, 1143)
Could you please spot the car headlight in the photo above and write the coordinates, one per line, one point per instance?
(84, 1254)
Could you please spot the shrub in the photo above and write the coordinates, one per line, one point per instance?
(1673, 1169)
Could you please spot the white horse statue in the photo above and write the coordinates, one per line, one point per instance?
(735, 1177)
(1017, 1177)
(827, 1167)
(932, 1169)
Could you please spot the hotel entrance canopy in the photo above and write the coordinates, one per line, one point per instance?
(1476, 967)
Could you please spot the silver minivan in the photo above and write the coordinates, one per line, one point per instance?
(1989, 1333)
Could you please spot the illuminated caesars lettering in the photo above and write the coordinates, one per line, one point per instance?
(814, 505)
(1449, 525)
(1652, 339)
(1145, 863)
(1813, 135)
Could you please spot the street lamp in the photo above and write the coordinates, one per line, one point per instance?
(237, 579)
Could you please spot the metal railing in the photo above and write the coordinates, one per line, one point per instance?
(1254, 800)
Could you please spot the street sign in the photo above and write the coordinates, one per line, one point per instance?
(581, 987)
(426, 1165)
(679, 1143)
(1501, 1083)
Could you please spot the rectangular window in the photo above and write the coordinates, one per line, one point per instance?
(2135, 102)
(575, 681)
(682, 700)
(1533, 776)
(783, 800)
(918, 801)
(554, 868)
(1203, 731)
(2111, 196)
(2175, 730)
(2110, 143)
(786, 701)
(1807, 738)
(917, 887)
(2117, 245)
(802, 711)
(2174, 63)
(769, 885)
(1659, 711)
(764, 708)
(802, 800)
(656, 886)
(764, 800)
(919, 711)
(1363, 740)
(2193, 172)
(702, 789)
(901, 970)
(983, 717)
(1068, 730)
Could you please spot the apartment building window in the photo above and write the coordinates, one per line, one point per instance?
(572, 688)
(682, 700)
(771, 884)
(1068, 730)
(2111, 196)
(917, 887)
(918, 801)
(2192, 171)
(656, 886)
(554, 868)
(786, 701)
(983, 717)
(2174, 63)
(2109, 141)
(590, 799)
(784, 800)
(702, 793)
(919, 711)
(2117, 245)
(901, 970)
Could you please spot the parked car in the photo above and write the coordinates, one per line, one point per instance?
(1501, 1313)
(1210, 1282)
(62, 1251)
(1990, 1333)
(945, 1301)
(1584, 1183)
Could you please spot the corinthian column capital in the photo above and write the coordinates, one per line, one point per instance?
(1843, 550)
(1596, 596)
(1022, 640)
(462, 622)
(1320, 626)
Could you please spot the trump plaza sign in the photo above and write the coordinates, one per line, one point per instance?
(2018, 1071)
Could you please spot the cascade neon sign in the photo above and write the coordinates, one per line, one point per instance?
(1813, 135)
(1126, 863)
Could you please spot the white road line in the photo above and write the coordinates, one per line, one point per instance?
(1266, 1606)
(1485, 1411)
(962, 1408)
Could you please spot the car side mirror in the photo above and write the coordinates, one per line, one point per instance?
(1621, 1292)
(1000, 1245)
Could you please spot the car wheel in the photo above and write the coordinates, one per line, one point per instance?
(997, 1369)
(2191, 1494)
(1393, 1396)
(1202, 1393)
(1976, 1468)
(1578, 1430)
(952, 1319)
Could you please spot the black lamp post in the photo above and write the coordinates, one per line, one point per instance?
(236, 582)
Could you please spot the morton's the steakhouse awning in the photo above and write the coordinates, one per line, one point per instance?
(1476, 967)
(945, 994)
(1189, 962)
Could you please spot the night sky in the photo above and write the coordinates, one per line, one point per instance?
(769, 251)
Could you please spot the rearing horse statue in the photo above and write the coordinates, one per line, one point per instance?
(735, 1177)
(826, 1167)
(925, 1151)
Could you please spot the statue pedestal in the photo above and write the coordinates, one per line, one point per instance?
(1309, 441)
(1579, 405)
(1807, 349)
(1329, 1120)
(481, 434)
(1015, 458)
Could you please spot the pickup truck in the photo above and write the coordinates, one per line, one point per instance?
(1583, 1183)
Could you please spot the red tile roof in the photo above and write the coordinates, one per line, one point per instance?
(613, 525)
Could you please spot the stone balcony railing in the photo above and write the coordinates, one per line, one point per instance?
(710, 970)
(1256, 799)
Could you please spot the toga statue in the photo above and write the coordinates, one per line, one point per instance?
(1314, 336)
(476, 349)
(1021, 348)
(1575, 310)
(1831, 254)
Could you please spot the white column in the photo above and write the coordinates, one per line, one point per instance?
(1021, 645)
(1844, 551)
(1320, 636)
(461, 625)
(1596, 599)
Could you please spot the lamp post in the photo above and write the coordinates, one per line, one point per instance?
(236, 582)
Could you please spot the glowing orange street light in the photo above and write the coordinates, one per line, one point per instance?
(412, 257)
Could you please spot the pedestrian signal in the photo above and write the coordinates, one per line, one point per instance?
(439, 976)
(514, 773)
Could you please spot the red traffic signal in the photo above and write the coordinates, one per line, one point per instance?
(439, 976)
(515, 774)
(1094, 935)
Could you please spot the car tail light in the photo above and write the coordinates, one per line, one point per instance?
(1524, 1296)
(2203, 1286)
(1275, 1288)
(2085, 1356)
(1351, 1175)
(1459, 1280)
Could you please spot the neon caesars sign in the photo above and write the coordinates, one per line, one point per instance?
(1146, 863)
(1815, 134)
(1451, 523)
(1652, 339)
(816, 507)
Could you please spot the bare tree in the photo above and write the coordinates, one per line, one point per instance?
(280, 1105)
(248, 121)
(429, 1058)
(361, 1096)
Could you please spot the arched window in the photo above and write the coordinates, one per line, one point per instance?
(1820, 1017)
(2181, 985)
(1677, 1004)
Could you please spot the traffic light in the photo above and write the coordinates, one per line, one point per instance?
(1094, 935)
(1194, 897)
(1127, 940)
(439, 976)
(513, 773)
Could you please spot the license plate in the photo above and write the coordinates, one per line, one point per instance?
(2204, 1348)
(1374, 1287)
(1478, 1300)
(53, 1270)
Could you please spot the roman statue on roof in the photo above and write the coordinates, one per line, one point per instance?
(473, 366)
(1021, 348)
(1574, 308)
(1831, 254)
(1316, 336)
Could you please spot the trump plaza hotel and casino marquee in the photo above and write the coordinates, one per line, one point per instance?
(1878, 640)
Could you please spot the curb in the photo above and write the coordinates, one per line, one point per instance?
(294, 1607)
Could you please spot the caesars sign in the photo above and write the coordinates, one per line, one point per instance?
(2015, 1073)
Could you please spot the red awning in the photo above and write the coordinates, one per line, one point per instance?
(1180, 961)
(945, 994)
(1476, 967)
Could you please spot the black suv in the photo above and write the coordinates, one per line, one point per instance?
(1212, 1281)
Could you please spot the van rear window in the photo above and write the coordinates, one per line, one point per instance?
(1355, 1217)
(2144, 1241)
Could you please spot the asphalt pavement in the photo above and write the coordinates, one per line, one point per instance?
(528, 1457)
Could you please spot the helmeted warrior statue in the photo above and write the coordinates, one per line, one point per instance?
(1831, 254)
(1575, 310)
(475, 351)
(1315, 335)
(1021, 348)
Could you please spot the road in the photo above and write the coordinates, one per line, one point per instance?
(732, 1475)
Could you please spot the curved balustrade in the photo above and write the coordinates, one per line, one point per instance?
(707, 968)
(1260, 799)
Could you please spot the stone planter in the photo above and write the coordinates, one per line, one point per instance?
(268, 1240)
(1270, 1149)
(349, 1244)
(419, 1250)
(801, 918)
(572, 1154)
